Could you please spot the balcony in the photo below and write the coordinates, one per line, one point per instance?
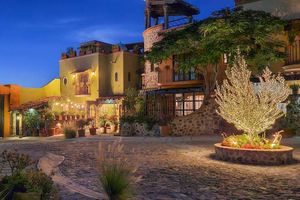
(83, 89)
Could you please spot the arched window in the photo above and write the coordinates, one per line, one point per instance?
(116, 76)
(129, 76)
(65, 80)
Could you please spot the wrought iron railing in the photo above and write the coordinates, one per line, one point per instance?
(180, 22)
(293, 53)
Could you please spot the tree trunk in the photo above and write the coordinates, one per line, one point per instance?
(210, 80)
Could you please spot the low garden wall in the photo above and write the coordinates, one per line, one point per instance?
(203, 121)
(138, 129)
(284, 155)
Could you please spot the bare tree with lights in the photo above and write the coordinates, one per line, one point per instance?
(249, 108)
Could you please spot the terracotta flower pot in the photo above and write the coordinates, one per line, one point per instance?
(81, 133)
(112, 129)
(165, 130)
(102, 130)
(93, 131)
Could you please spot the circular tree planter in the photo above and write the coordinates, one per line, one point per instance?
(284, 155)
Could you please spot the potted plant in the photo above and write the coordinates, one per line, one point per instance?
(295, 88)
(290, 124)
(49, 119)
(113, 123)
(92, 127)
(102, 124)
(81, 127)
(164, 128)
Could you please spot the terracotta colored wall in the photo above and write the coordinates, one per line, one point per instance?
(11, 99)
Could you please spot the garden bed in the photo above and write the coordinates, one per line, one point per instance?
(284, 155)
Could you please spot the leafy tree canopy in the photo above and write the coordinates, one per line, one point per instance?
(254, 33)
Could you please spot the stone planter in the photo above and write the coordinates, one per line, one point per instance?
(255, 156)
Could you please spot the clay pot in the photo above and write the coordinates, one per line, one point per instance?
(165, 130)
(93, 131)
(81, 133)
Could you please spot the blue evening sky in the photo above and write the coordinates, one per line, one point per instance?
(33, 33)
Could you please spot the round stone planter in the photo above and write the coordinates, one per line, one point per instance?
(284, 155)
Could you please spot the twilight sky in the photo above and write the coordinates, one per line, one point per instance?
(33, 33)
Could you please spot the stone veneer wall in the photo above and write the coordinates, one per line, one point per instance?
(284, 155)
(137, 129)
(203, 121)
(151, 35)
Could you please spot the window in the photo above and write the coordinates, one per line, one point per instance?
(65, 81)
(129, 77)
(187, 103)
(82, 84)
(116, 76)
(179, 74)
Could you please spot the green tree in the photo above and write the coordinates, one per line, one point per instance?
(32, 121)
(254, 33)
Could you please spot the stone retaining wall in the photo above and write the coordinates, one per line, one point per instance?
(255, 156)
(137, 129)
(203, 121)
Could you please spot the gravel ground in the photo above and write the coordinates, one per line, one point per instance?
(171, 168)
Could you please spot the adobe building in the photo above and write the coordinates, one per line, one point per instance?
(98, 75)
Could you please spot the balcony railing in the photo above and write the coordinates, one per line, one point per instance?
(180, 22)
(293, 52)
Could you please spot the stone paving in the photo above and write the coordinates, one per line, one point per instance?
(171, 168)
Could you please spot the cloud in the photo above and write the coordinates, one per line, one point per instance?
(58, 23)
(111, 34)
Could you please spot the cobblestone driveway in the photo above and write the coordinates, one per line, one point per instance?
(172, 168)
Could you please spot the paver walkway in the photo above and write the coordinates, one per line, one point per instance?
(49, 164)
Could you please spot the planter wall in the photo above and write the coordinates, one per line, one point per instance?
(255, 156)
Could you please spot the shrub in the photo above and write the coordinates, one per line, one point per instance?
(251, 109)
(142, 119)
(35, 184)
(69, 133)
(244, 141)
(81, 123)
(116, 172)
(103, 120)
(17, 162)
(40, 182)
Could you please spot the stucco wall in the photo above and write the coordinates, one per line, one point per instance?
(33, 94)
(67, 66)
(132, 63)
(287, 9)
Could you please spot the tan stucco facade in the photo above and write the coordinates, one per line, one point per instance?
(101, 70)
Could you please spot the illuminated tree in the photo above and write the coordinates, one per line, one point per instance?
(252, 109)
